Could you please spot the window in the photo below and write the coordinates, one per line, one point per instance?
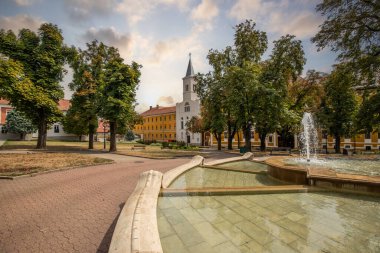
(181, 124)
(347, 146)
(368, 135)
(367, 147)
(170, 117)
(194, 87)
(270, 138)
(156, 127)
(56, 128)
(3, 130)
(187, 107)
(187, 87)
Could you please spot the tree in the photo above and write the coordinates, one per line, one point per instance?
(31, 72)
(88, 66)
(352, 28)
(250, 44)
(368, 119)
(283, 67)
(117, 93)
(208, 89)
(73, 123)
(195, 125)
(339, 105)
(17, 123)
(129, 136)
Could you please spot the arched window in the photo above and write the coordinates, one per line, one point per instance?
(187, 107)
(194, 87)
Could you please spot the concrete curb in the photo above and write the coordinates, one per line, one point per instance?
(171, 175)
(136, 229)
(246, 156)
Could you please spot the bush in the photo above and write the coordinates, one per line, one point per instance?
(181, 144)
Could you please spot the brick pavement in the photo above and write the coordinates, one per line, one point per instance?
(70, 211)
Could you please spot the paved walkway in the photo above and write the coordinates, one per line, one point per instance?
(71, 211)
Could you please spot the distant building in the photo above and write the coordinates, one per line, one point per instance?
(159, 124)
(55, 132)
(189, 107)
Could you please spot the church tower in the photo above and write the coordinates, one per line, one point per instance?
(188, 108)
(189, 83)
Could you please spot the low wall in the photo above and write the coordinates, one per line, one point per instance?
(290, 174)
(246, 156)
(136, 229)
(171, 175)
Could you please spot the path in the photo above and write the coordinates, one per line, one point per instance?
(70, 211)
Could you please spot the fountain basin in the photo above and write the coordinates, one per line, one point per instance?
(315, 175)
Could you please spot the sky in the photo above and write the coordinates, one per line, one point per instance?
(160, 34)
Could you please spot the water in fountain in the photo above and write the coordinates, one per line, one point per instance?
(308, 138)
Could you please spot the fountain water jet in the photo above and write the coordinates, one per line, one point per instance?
(308, 138)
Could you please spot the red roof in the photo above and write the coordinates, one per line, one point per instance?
(159, 111)
(63, 104)
(4, 102)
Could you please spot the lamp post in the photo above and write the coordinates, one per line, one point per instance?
(249, 136)
(104, 133)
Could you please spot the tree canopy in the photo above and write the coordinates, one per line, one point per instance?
(17, 123)
(30, 74)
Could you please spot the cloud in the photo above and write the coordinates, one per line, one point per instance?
(136, 11)
(83, 9)
(165, 101)
(278, 16)
(26, 2)
(18, 22)
(111, 37)
(204, 14)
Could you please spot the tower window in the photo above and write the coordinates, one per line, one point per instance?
(187, 107)
(187, 87)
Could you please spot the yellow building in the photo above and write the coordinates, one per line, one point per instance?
(159, 124)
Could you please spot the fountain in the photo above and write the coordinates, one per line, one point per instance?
(308, 137)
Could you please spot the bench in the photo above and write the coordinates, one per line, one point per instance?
(281, 151)
(136, 146)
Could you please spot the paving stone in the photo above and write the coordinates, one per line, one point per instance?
(69, 211)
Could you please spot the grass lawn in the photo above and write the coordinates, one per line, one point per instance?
(122, 148)
(13, 164)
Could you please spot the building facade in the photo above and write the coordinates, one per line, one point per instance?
(159, 124)
(189, 107)
(55, 132)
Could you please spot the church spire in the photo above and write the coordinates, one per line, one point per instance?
(190, 70)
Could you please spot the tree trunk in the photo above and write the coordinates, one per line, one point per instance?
(262, 141)
(113, 136)
(229, 140)
(247, 136)
(337, 143)
(80, 137)
(42, 133)
(22, 136)
(238, 139)
(202, 139)
(218, 137)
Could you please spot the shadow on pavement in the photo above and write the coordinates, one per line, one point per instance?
(105, 244)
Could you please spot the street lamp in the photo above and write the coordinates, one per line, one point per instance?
(104, 132)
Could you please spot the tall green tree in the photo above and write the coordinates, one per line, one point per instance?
(31, 72)
(17, 123)
(250, 44)
(352, 29)
(280, 71)
(209, 88)
(339, 105)
(89, 70)
(117, 94)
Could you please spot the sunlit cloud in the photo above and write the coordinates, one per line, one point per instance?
(18, 22)
(278, 17)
